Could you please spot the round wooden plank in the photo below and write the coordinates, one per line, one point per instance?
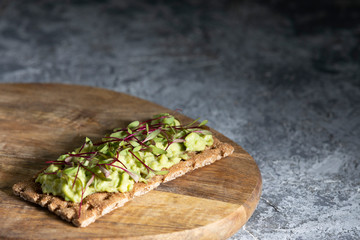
(38, 122)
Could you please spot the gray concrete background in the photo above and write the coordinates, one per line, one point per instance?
(280, 78)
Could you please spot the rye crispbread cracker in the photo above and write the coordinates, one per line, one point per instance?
(98, 204)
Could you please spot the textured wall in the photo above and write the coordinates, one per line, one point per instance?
(280, 78)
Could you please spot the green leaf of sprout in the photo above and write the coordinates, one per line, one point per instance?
(134, 143)
(168, 120)
(62, 157)
(106, 161)
(88, 140)
(124, 152)
(190, 124)
(203, 123)
(136, 149)
(115, 135)
(133, 125)
(157, 151)
(152, 135)
(104, 149)
(122, 143)
(71, 170)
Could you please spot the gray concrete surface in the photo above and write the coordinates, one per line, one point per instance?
(280, 78)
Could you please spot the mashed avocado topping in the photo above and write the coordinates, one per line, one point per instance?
(127, 155)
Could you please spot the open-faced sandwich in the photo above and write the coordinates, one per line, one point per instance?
(96, 178)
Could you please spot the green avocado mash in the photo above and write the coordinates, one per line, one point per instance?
(128, 155)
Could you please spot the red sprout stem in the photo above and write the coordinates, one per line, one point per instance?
(82, 146)
(82, 154)
(56, 162)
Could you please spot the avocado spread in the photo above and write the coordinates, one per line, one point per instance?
(128, 155)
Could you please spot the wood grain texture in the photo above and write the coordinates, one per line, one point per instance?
(38, 122)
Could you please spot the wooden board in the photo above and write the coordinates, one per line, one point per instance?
(38, 122)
